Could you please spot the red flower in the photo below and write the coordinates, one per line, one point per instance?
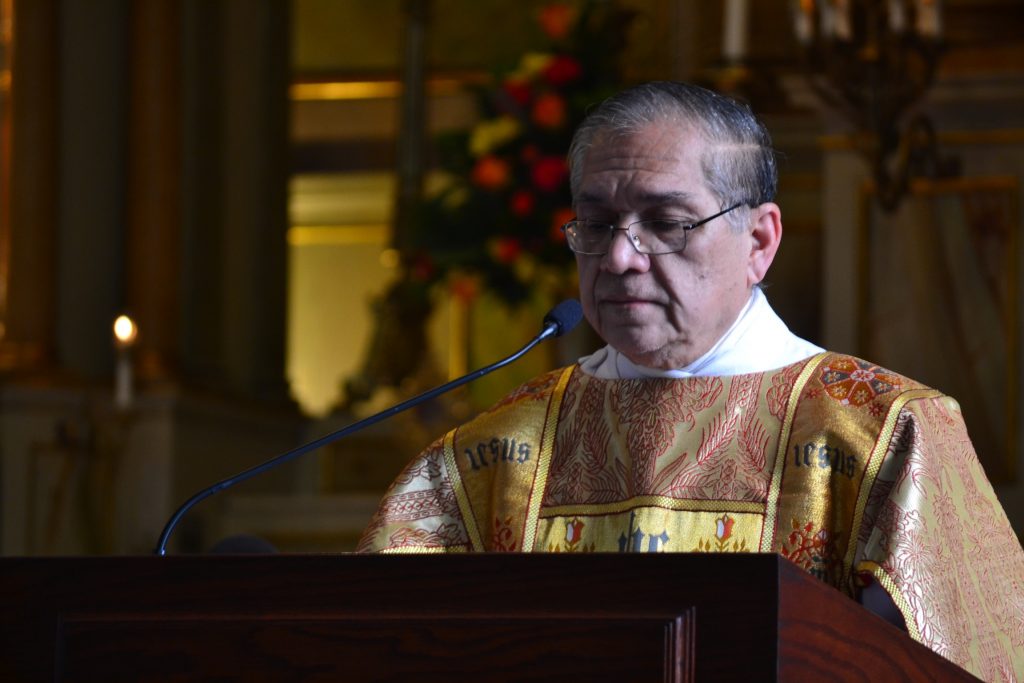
(556, 20)
(563, 69)
(549, 111)
(723, 527)
(491, 173)
(574, 531)
(548, 173)
(506, 249)
(518, 90)
(522, 203)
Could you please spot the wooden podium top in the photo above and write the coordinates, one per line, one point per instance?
(493, 617)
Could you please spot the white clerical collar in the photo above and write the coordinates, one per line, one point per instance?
(757, 341)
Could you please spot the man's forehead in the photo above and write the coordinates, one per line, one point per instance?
(640, 196)
(660, 164)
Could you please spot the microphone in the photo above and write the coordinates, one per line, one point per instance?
(559, 320)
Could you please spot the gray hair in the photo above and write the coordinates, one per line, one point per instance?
(739, 166)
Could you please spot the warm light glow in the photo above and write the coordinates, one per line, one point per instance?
(390, 258)
(125, 330)
(346, 235)
(368, 90)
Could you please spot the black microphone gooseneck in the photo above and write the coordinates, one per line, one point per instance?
(559, 320)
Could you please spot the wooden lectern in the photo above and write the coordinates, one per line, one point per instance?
(490, 617)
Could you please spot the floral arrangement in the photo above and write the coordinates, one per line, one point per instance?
(496, 222)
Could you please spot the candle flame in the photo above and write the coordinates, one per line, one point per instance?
(125, 330)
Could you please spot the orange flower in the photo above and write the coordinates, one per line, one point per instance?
(556, 20)
(465, 287)
(491, 173)
(549, 111)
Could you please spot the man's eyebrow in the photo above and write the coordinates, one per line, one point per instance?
(647, 199)
(680, 198)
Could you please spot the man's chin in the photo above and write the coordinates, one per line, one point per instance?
(655, 353)
(636, 348)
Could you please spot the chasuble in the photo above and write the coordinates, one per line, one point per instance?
(854, 473)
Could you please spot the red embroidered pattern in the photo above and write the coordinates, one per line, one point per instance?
(537, 389)
(402, 506)
(852, 381)
(650, 412)
(814, 550)
(710, 474)
(781, 388)
(503, 539)
(426, 467)
(586, 473)
(414, 505)
(445, 535)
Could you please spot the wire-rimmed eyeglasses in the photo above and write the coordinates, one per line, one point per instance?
(653, 236)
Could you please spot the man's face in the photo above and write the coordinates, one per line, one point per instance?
(660, 311)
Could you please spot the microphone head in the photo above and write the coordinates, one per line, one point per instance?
(564, 317)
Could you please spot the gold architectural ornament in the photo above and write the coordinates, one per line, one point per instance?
(873, 61)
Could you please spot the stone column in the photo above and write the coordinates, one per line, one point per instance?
(413, 123)
(153, 211)
(254, 180)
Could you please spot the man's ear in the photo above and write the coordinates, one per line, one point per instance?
(765, 236)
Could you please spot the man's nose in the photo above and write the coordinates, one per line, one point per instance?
(623, 254)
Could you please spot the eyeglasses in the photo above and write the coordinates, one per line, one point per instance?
(655, 236)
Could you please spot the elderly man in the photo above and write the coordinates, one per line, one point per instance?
(705, 424)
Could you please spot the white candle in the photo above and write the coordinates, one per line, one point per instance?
(125, 334)
(897, 16)
(123, 380)
(734, 30)
(803, 25)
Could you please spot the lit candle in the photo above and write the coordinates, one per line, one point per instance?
(803, 20)
(125, 333)
(734, 30)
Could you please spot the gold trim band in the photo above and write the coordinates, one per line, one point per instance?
(897, 597)
(468, 518)
(674, 504)
(424, 550)
(540, 481)
(771, 511)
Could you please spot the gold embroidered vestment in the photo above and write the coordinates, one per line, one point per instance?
(852, 472)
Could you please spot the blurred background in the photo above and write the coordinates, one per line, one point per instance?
(308, 210)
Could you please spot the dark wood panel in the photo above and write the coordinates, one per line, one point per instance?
(440, 648)
(579, 617)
